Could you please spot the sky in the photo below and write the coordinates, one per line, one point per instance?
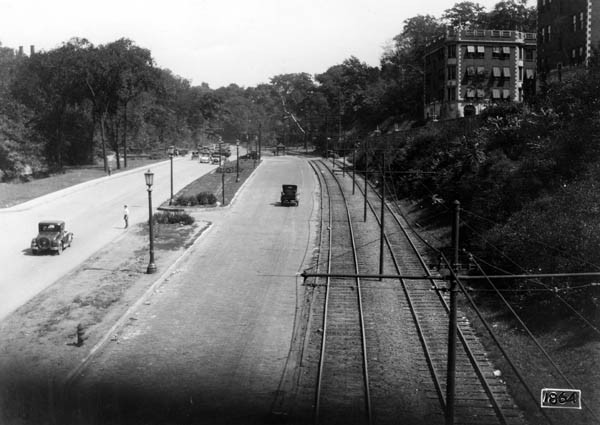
(220, 42)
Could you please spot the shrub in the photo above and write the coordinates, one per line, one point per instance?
(206, 198)
(173, 218)
(187, 201)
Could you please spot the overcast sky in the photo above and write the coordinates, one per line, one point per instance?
(219, 42)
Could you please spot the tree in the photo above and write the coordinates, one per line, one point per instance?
(513, 14)
(51, 85)
(402, 67)
(466, 14)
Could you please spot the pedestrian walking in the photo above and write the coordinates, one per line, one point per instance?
(126, 216)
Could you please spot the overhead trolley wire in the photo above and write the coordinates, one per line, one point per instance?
(531, 336)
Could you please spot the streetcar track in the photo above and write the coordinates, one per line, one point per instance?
(342, 387)
(475, 396)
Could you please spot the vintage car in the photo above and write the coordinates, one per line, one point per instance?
(52, 237)
(204, 158)
(289, 194)
(194, 154)
(216, 158)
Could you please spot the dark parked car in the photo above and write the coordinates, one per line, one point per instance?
(52, 237)
(289, 194)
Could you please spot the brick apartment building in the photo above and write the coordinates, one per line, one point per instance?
(468, 70)
(568, 32)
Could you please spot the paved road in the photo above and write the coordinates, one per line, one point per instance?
(212, 345)
(92, 211)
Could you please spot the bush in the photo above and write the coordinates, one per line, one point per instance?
(206, 198)
(187, 201)
(173, 218)
(202, 198)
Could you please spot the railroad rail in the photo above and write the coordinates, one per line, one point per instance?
(342, 385)
(479, 396)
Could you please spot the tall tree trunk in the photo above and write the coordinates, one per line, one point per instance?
(115, 138)
(103, 138)
(125, 136)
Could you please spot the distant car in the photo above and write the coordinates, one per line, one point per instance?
(289, 194)
(216, 158)
(52, 237)
(194, 154)
(204, 158)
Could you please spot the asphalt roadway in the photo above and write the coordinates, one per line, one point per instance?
(93, 211)
(210, 346)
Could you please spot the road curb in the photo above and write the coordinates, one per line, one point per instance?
(72, 375)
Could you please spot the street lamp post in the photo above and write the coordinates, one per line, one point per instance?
(149, 176)
(237, 161)
(171, 153)
(222, 171)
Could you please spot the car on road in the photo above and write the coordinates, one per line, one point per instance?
(52, 237)
(204, 158)
(216, 158)
(194, 154)
(289, 194)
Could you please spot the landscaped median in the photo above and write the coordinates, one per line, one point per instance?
(213, 189)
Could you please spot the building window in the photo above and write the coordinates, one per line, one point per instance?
(520, 73)
(548, 33)
(470, 71)
(505, 94)
(506, 51)
(574, 23)
(543, 37)
(480, 52)
(520, 53)
(470, 52)
(470, 93)
(529, 54)
(452, 51)
(581, 53)
(480, 93)
(581, 21)
(451, 93)
(496, 72)
(495, 93)
(452, 72)
(506, 72)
